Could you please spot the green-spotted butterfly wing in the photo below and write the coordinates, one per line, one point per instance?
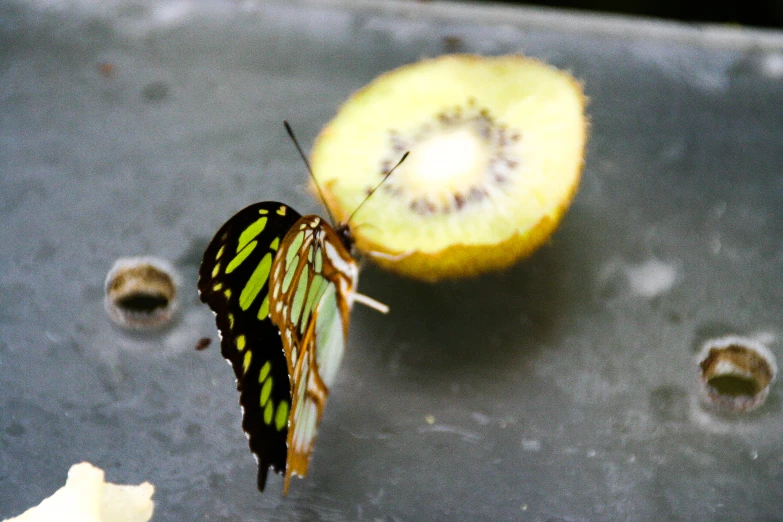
(234, 282)
(281, 287)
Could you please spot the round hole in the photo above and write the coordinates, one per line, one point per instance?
(141, 293)
(736, 374)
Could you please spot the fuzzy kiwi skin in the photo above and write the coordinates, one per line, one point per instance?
(458, 260)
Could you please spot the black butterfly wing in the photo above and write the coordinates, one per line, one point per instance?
(234, 282)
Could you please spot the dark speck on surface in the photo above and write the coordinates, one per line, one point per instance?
(45, 251)
(155, 92)
(192, 430)
(217, 481)
(15, 430)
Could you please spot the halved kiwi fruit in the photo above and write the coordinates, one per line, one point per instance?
(496, 150)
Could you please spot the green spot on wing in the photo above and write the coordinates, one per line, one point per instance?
(246, 361)
(289, 275)
(251, 232)
(329, 335)
(268, 412)
(324, 286)
(317, 288)
(241, 256)
(275, 244)
(263, 312)
(281, 417)
(256, 282)
(264, 371)
(266, 389)
(318, 261)
(299, 297)
(293, 249)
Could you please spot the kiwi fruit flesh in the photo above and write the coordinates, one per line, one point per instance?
(496, 147)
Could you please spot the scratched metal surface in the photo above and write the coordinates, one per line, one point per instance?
(561, 389)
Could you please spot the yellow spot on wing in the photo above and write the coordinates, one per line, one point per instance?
(268, 412)
(216, 270)
(231, 320)
(246, 361)
(275, 244)
(281, 210)
(281, 417)
(263, 211)
(220, 252)
(240, 342)
(265, 391)
(251, 232)
(256, 282)
(264, 371)
(227, 293)
(217, 286)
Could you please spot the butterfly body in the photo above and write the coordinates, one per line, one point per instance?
(281, 286)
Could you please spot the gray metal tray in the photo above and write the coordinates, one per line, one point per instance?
(561, 389)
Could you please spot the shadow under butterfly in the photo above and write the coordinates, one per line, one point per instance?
(281, 286)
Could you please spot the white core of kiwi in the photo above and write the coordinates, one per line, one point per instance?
(449, 160)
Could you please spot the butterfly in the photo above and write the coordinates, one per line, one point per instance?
(281, 286)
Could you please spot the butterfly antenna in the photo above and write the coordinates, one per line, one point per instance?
(369, 194)
(307, 164)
